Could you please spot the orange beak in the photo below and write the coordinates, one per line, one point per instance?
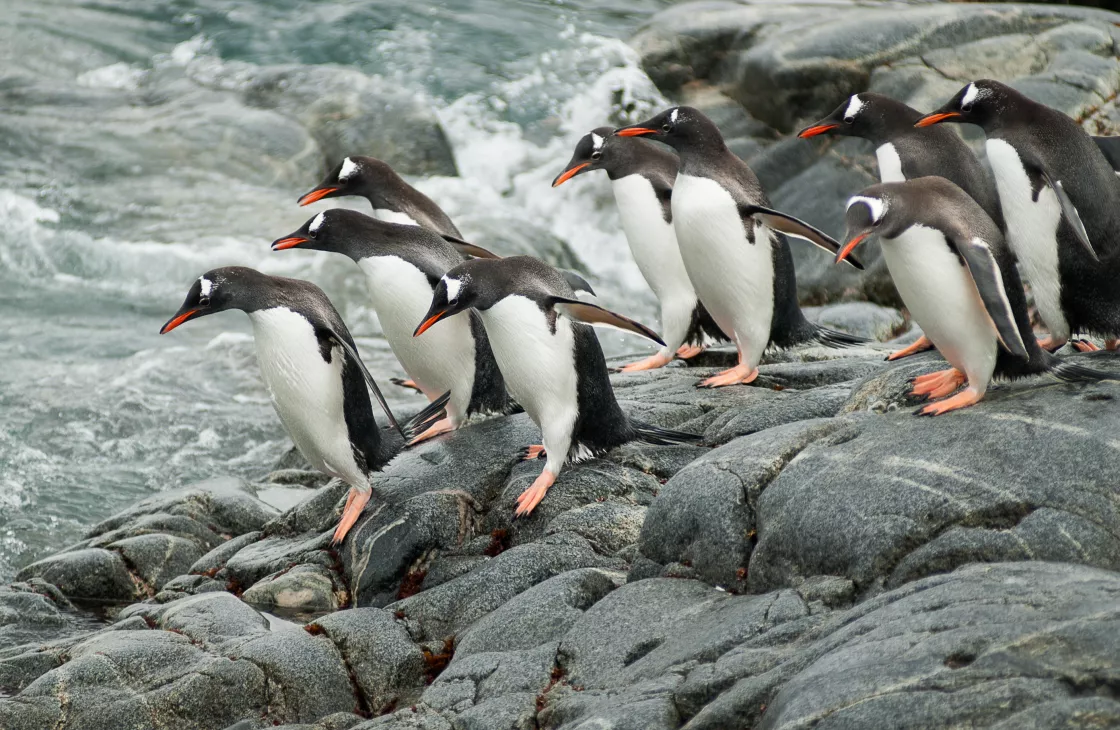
(286, 243)
(635, 132)
(850, 246)
(426, 324)
(316, 195)
(816, 129)
(178, 320)
(569, 174)
(930, 119)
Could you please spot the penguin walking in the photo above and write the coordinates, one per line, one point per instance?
(552, 362)
(905, 153)
(1061, 200)
(315, 378)
(392, 198)
(403, 264)
(732, 247)
(641, 176)
(959, 281)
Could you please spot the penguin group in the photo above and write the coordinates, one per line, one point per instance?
(480, 335)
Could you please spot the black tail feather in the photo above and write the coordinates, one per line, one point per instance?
(833, 338)
(658, 436)
(423, 420)
(1072, 372)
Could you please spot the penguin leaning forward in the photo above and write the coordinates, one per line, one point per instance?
(315, 377)
(552, 362)
(641, 175)
(958, 278)
(732, 245)
(1061, 200)
(905, 153)
(403, 264)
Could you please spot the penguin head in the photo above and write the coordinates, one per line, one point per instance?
(981, 103)
(868, 115)
(217, 290)
(477, 284)
(362, 176)
(594, 151)
(679, 127)
(338, 230)
(872, 212)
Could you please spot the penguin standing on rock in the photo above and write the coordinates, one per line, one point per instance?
(642, 176)
(314, 375)
(732, 245)
(1061, 200)
(958, 279)
(552, 362)
(392, 198)
(905, 153)
(403, 264)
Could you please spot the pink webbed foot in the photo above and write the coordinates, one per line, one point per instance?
(650, 363)
(960, 400)
(941, 383)
(531, 497)
(1050, 344)
(1084, 346)
(687, 352)
(441, 426)
(740, 374)
(536, 451)
(355, 503)
(919, 345)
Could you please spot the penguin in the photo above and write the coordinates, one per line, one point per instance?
(641, 175)
(392, 198)
(1061, 200)
(732, 247)
(550, 357)
(958, 279)
(403, 263)
(904, 153)
(315, 377)
(1110, 148)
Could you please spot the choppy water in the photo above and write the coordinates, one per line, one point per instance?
(127, 167)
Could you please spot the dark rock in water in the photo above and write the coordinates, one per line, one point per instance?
(156, 559)
(31, 611)
(215, 560)
(90, 573)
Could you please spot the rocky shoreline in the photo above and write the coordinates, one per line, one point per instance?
(822, 559)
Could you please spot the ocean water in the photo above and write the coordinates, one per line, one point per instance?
(130, 164)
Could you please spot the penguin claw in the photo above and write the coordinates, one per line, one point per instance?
(1112, 344)
(355, 503)
(528, 500)
(529, 453)
(1084, 346)
(958, 401)
(938, 384)
(687, 352)
(441, 426)
(740, 374)
(919, 345)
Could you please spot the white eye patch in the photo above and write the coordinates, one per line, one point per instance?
(673, 115)
(971, 94)
(853, 107)
(596, 142)
(877, 207)
(316, 223)
(453, 287)
(349, 167)
(206, 285)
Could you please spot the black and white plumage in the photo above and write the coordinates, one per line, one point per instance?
(641, 175)
(403, 265)
(392, 198)
(315, 377)
(732, 245)
(1061, 201)
(552, 362)
(958, 279)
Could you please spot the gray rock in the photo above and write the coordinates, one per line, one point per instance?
(413, 718)
(608, 526)
(863, 319)
(303, 588)
(468, 683)
(215, 560)
(92, 573)
(155, 558)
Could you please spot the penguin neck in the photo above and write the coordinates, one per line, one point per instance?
(701, 157)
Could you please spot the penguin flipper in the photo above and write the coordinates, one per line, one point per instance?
(423, 420)
(795, 227)
(597, 316)
(986, 275)
(352, 353)
(658, 436)
(1069, 210)
(469, 249)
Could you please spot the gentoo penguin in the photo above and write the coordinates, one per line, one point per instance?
(1061, 201)
(314, 375)
(403, 264)
(392, 198)
(731, 244)
(905, 153)
(641, 175)
(550, 358)
(958, 279)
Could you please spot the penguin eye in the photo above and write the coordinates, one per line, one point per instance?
(596, 155)
(666, 127)
(204, 301)
(849, 120)
(966, 107)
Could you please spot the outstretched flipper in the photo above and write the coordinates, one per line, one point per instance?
(597, 316)
(356, 358)
(795, 227)
(469, 249)
(989, 282)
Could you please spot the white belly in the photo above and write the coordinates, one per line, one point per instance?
(539, 369)
(653, 242)
(439, 360)
(890, 164)
(1032, 232)
(943, 300)
(306, 391)
(733, 277)
(393, 216)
